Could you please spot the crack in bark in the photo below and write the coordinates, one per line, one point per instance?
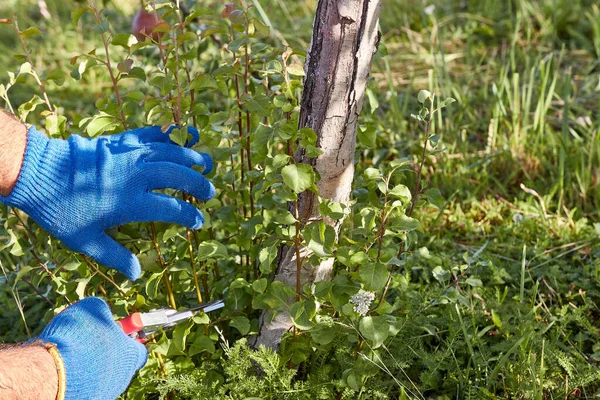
(351, 102)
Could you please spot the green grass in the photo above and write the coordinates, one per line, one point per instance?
(516, 315)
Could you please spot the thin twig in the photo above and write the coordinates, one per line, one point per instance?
(170, 295)
(102, 274)
(420, 171)
(28, 56)
(110, 71)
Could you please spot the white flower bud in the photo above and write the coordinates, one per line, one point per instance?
(423, 95)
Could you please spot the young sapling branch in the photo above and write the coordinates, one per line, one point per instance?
(108, 65)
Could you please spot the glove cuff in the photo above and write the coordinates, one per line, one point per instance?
(60, 366)
(99, 358)
(36, 144)
(36, 183)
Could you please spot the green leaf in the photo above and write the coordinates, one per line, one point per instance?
(374, 329)
(301, 314)
(202, 343)
(56, 125)
(373, 102)
(276, 296)
(321, 238)
(211, 249)
(180, 334)
(281, 160)
(261, 28)
(373, 276)
(259, 104)
(354, 382)
(201, 319)
(435, 197)
(77, 13)
(179, 136)
(31, 31)
(101, 124)
(266, 257)
(367, 136)
(496, 319)
(240, 323)
(136, 96)
(203, 82)
(295, 69)
(237, 43)
(135, 73)
(405, 223)
(186, 36)
(171, 232)
(333, 210)
(401, 192)
(343, 285)
(440, 274)
(323, 335)
(298, 177)
(474, 282)
(198, 13)
(259, 285)
(124, 40)
(164, 83)
(25, 69)
(56, 75)
(359, 258)
(372, 173)
(307, 137)
(31, 105)
(445, 102)
(80, 289)
(152, 285)
(24, 270)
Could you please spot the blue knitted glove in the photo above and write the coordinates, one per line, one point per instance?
(78, 188)
(99, 358)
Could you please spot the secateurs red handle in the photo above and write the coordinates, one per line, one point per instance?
(132, 323)
(141, 325)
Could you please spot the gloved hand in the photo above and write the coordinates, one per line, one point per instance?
(99, 358)
(78, 188)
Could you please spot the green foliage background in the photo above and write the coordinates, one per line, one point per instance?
(494, 291)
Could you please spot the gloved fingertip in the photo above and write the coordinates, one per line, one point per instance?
(195, 136)
(142, 355)
(132, 270)
(148, 134)
(208, 163)
(211, 192)
(95, 302)
(199, 221)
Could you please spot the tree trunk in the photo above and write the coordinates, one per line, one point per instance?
(344, 39)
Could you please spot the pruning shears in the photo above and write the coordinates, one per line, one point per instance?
(140, 326)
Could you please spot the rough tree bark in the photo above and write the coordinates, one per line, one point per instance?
(344, 39)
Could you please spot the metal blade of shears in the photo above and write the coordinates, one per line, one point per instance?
(190, 312)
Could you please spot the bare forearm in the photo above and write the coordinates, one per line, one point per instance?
(13, 139)
(27, 373)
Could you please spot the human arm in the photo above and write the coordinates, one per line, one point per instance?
(76, 189)
(95, 358)
(13, 138)
(27, 372)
